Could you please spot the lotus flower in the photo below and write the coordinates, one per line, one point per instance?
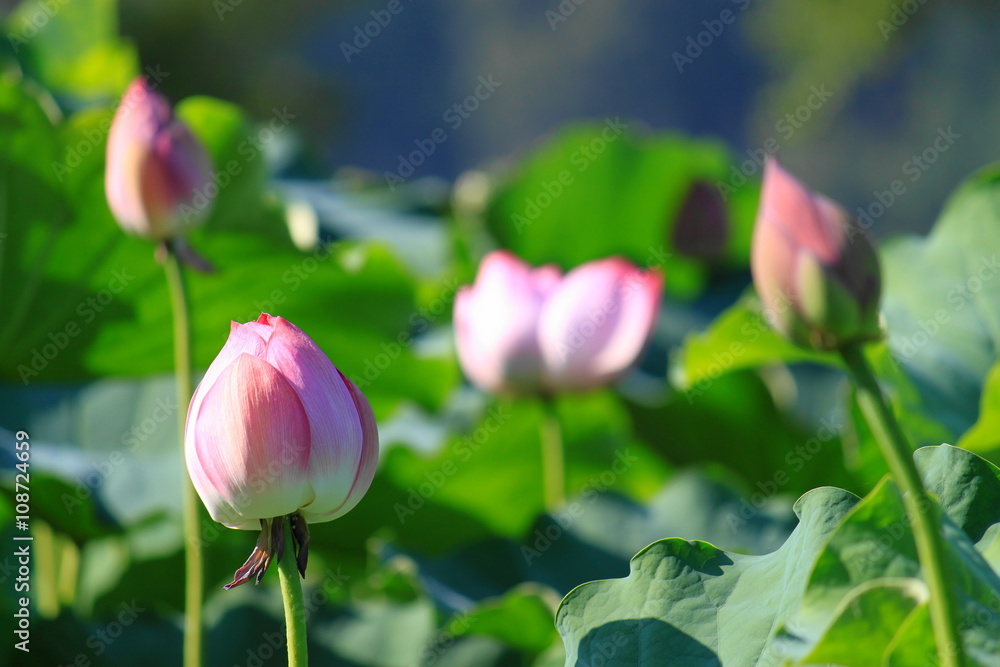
(275, 430)
(525, 330)
(815, 269)
(155, 168)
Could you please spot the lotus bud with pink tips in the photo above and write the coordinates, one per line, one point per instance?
(815, 270)
(155, 167)
(522, 330)
(275, 430)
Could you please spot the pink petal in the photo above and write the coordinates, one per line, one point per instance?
(242, 340)
(812, 221)
(365, 472)
(336, 427)
(596, 324)
(263, 326)
(496, 323)
(248, 452)
(773, 262)
(545, 279)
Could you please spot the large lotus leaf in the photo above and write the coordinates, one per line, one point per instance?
(875, 542)
(941, 302)
(690, 603)
(984, 436)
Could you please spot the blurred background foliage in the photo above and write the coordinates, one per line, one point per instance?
(451, 559)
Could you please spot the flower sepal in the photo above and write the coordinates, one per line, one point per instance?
(271, 547)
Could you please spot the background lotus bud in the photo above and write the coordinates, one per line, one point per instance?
(274, 429)
(815, 269)
(702, 227)
(155, 167)
(524, 330)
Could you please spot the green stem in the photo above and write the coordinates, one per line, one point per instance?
(553, 469)
(923, 517)
(295, 607)
(194, 580)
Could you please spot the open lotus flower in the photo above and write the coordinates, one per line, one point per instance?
(155, 167)
(815, 269)
(275, 430)
(525, 330)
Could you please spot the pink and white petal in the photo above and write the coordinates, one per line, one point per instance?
(546, 279)
(251, 445)
(263, 326)
(639, 309)
(596, 324)
(242, 340)
(317, 511)
(774, 261)
(813, 221)
(333, 418)
(482, 366)
(122, 182)
(496, 324)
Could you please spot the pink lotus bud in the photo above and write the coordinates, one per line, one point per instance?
(815, 269)
(702, 227)
(155, 167)
(275, 430)
(522, 330)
